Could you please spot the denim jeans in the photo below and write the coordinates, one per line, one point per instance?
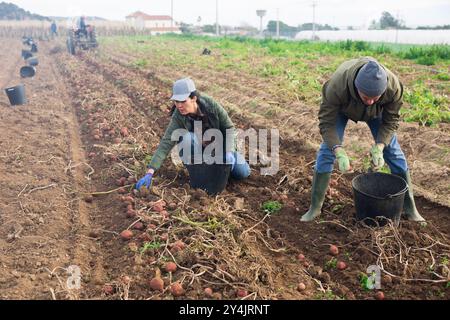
(393, 154)
(241, 168)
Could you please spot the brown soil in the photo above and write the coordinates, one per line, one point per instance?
(69, 141)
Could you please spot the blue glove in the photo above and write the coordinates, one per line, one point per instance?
(230, 159)
(145, 181)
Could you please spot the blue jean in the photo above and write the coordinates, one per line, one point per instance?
(393, 154)
(241, 168)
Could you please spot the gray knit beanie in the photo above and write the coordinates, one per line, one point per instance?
(371, 79)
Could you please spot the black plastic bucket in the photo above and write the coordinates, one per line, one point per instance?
(34, 47)
(26, 54)
(27, 72)
(33, 62)
(16, 95)
(27, 40)
(212, 178)
(379, 195)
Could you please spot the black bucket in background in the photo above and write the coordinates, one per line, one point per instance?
(34, 48)
(212, 178)
(26, 54)
(27, 40)
(33, 61)
(379, 195)
(27, 72)
(16, 95)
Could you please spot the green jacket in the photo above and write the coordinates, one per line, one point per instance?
(339, 95)
(218, 119)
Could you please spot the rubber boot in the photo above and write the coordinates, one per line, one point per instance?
(319, 188)
(409, 205)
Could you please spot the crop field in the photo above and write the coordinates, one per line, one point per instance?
(73, 227)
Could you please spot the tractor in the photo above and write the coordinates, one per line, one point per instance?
(81, 39)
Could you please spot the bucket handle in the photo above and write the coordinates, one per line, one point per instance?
(390, 196)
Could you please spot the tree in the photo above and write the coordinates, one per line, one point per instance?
(387, 21)
(211, 28)
(285, 30)
(9, 11)
(186, 28)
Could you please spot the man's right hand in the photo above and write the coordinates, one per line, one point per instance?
(342, 159)
(145, 181)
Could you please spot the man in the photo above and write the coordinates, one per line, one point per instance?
(53, 29)
(193, 110)
(360, 90)
(81, 26)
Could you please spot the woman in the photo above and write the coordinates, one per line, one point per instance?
(193, 112)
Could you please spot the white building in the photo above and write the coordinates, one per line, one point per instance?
(157, 24)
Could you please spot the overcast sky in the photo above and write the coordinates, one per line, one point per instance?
(236, 12)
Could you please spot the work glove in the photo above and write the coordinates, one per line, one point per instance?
(145, 181)
(230, 159)
(377, 155)
(342, 159)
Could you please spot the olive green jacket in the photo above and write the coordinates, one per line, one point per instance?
(339, 95)
(218, 119)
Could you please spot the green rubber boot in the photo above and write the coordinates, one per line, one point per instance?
(409, 205)
(319, 188)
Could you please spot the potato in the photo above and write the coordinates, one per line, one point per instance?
(181, 244)
(139, 226)
(341, 265)
(379, 295)
(108, 290)
(242, 293)
(301, 257)
(334, 250)
(121, 181)
(164, 237)
(208, 292)
(157, 284)
(164, 213)
(131, 214)
(301, 287)
(145, 237)
(124, 132)
(170, 267)
(126, 235)
(128, 199)
(158, 206)
(176, 289)
(175, 249)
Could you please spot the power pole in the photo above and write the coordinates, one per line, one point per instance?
(217, 17)
(396, 29)
(314, 21)
(278, 23)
